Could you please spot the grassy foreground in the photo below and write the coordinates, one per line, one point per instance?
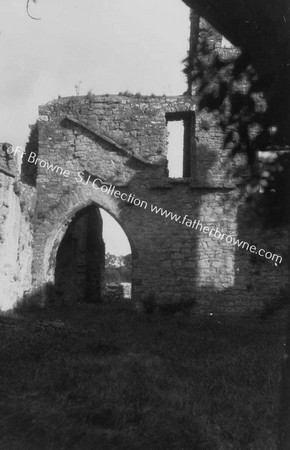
(105, 378)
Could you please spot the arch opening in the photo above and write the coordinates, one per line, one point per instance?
(118, 259)
(87, 272)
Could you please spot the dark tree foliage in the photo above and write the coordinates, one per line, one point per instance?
(260, 28)
(118, 268)
(28, 170)
(229, 87)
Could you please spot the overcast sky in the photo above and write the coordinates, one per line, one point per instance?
(106, 46)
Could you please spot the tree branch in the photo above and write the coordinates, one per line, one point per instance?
(27, 10)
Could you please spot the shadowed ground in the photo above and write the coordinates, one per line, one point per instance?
(106, 377)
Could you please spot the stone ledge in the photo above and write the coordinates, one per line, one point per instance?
(180, 180)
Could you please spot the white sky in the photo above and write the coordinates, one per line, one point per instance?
(175, 148)
(107, 45)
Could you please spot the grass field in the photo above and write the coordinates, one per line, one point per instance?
(108, 377)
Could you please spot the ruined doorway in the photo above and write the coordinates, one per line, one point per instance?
(80, 260)
(88, 272)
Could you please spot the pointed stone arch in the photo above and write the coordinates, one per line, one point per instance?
(57, 222)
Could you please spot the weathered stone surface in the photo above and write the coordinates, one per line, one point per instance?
(173, 259)
(111, 152)
(16, 233)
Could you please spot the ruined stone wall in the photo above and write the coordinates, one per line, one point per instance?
(111, 152)
(17, 204)
(122, 141)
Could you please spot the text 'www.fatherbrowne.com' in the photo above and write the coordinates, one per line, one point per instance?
(216, 233)
(110, 189)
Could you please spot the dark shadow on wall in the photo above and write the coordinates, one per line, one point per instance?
(80, 261)
(28, 170)
(263, 222)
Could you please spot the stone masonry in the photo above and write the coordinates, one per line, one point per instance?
(122, 141)
(17, 203)
(110, 152)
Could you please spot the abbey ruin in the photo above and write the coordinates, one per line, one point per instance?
(110, 152)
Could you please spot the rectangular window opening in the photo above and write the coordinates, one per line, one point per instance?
(180, 127)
